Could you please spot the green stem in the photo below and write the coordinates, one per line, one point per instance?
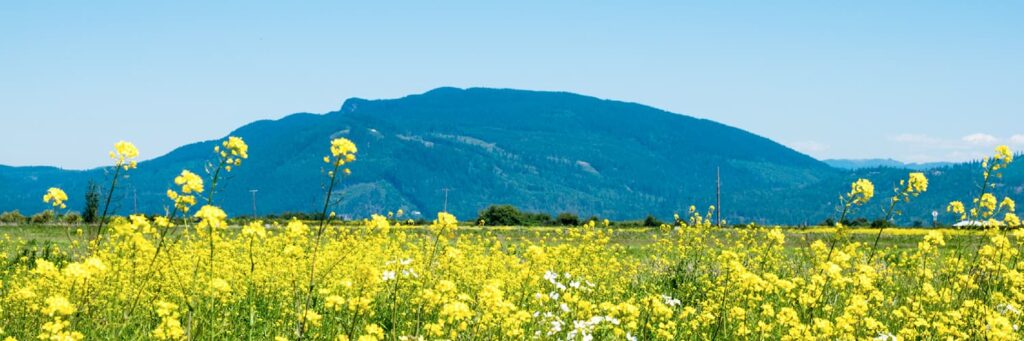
(316, 248)
(110, 194)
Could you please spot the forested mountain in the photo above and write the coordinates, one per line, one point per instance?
(874, 163)
(540, 151)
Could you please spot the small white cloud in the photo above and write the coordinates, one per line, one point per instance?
(1017, 140)
(980, 139)
(926, 148)
(810, 147)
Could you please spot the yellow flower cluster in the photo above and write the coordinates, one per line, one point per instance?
(917, 183)
(1003, 156)
(212, 217)
(957, 209)
(56, 197)
(570, 283)
(191, 184)
(124, 155)
(445, 223)
(233, 152)
(170, 326)
(342, 151)
(861, 191)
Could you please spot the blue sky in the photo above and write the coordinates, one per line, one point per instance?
(910, 80)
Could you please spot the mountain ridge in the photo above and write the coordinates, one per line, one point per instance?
(539, 150)
(890, 163)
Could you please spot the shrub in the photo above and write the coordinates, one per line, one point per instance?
(567, 219)
(73, 218)
(501, 215)
(537, 219)
(651, 221)
(43, 217)
(12, 217)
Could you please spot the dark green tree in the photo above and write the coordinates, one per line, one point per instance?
(567, 219)
(651, 221)
(92, 203)
(501, 215)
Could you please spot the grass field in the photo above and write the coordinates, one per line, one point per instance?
(634, 237)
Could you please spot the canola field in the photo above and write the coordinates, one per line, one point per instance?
(188, 275)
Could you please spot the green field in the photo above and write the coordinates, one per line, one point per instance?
(633, 237)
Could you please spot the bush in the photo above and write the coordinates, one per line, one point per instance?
(859, 222)
(73, 218)
(567, 219)
(12, 217)
(537, 219)
(651, 221)
(43, 217)
(501, 215)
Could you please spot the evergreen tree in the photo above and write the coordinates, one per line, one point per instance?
(92, 203)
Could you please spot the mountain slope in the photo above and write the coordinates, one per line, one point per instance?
(875, 163)
(541, 151)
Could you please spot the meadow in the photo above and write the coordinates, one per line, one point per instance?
(190, 275)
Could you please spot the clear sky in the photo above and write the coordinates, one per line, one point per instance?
(910, 80)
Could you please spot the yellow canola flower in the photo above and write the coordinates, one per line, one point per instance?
(861, 191)
(254, 229)
(182, 202)
(917, 183)
(189, 182)
(445, 222)
(58, 305)
(170, 327)
(378, 223)
(296, 228)
(342, 151)
(312, 318)
(1011, 220)
(1004, 154)
(1008, 204)
(56, 197)
(212, 217)
(955, 207)
(372, 332)
(342, 147)
(988, 203)
(124, 155)
(220, 287)
(237, 147)
(162, 222)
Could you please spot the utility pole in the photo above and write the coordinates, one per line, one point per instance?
(135, 200)
(446, 189)
(718, 194)
(253, 191)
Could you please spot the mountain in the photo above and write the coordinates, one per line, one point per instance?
(540, 151)
(876, 163)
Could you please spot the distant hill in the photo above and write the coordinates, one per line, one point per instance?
(540, 151)
(890, 163)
